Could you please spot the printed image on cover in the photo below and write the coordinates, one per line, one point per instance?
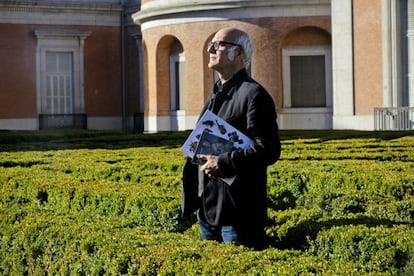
(213, 124)
(211, 144)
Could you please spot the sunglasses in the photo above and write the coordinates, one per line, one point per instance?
(218, 43)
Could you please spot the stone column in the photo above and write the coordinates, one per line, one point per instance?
(410, 48)
(392, 63)
(342, 62)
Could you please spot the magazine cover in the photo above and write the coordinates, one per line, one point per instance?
(211, 144)
(212, 128)
(213, 124)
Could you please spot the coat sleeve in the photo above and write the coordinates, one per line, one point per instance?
(261, 126)
(190, 200)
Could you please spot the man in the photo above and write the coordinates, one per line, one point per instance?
(237, 212)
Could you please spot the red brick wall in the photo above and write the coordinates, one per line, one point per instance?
(367, 50)
(133, 76)
(17, 71)
(267, 35)
(102, 71)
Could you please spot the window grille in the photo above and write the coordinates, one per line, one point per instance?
(62, 121)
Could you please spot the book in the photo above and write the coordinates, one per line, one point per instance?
(212, 123)
(214, 128)
(211, 144)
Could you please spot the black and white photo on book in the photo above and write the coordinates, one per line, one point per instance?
(211, 144)
(211, 128)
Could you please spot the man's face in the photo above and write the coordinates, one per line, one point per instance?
(219, 59)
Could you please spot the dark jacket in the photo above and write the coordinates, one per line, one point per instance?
(247, 106)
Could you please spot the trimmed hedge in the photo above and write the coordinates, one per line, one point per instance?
(94, 203)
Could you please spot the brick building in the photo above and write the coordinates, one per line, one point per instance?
(69, 64)
(345, 64)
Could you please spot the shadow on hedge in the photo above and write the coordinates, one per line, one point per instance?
(297, 237)
(87, 139)
(95, 139)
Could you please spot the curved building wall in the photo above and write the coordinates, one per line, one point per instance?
(327, 64)
(271, 25)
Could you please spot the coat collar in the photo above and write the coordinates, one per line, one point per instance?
(235, 81)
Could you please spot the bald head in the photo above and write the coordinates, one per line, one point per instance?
(241, 38)
(231, 34)
(231, 52)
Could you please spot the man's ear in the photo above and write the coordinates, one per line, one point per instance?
(231, 55)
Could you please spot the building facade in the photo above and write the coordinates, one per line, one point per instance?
(69, 64)
(328, 64)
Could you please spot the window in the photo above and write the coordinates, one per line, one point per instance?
(177, 87)
(59, 58)
(59, 83)
(177, 66)
(307, 77)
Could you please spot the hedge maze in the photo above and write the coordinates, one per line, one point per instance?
(107, 203)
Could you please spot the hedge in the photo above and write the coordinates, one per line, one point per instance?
(95, 203)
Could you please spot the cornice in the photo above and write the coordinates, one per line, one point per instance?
(160, 9)
(41, 33)
(63, 13)
(158, 13)
(58, 6)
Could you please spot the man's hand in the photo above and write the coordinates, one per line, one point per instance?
(210, 167)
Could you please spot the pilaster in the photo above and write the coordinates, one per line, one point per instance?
(342, 60)
(410, 40)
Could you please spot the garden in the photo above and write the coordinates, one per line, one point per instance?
(108, 203)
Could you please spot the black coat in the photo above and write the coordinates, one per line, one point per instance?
(247, 106)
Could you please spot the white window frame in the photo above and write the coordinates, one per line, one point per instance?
(173, 81)
(306, 51)
(61, 82)
(61, 41)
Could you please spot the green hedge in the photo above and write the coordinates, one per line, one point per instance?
(94, 203)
